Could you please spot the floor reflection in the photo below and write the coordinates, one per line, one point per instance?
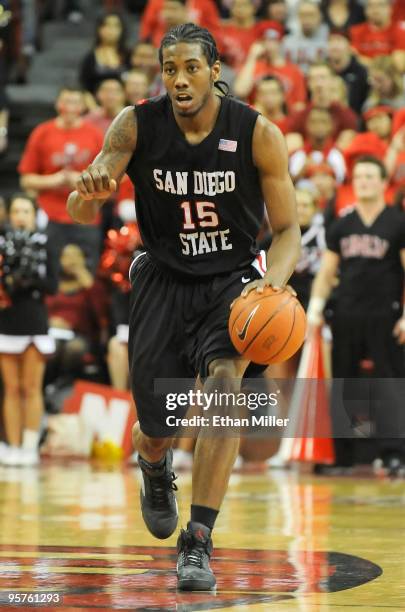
(283, 541)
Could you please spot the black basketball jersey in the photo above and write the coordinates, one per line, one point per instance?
(371, 277)
(199, 206)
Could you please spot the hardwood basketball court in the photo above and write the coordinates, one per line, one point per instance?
(284, 541)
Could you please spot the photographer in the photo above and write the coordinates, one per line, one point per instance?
(27, 274)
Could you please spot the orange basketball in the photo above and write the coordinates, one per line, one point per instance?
(267, 327)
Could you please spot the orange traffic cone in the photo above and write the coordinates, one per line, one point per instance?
(312, 440)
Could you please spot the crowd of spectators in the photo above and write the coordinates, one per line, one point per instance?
(329, 73)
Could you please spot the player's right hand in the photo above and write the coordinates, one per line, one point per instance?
(94, 183)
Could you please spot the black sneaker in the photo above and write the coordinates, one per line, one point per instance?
(194, 549)
(158, 502)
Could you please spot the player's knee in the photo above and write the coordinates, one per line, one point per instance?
(222, 368)
(223, 377)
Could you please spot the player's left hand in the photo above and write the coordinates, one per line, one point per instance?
(399, 330)
(259, 285)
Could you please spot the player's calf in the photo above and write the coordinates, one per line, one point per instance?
(158, 501)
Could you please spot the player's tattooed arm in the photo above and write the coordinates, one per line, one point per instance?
(271, 159)
(96, 184)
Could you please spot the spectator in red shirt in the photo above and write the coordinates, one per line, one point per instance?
(111, 97)
(238, 34)
(78, 314)
(265, 59)
(379, 35)
(319, 147)
(378, 120)
(55, 154)
(269, 100)
(154, 20)
(321, 89)
(386, 84)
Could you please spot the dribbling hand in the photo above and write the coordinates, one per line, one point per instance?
(259, 285)
(94, 183)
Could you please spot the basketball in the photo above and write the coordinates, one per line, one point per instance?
(267, 327)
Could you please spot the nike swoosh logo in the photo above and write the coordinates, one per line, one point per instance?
(242, 333)
(245, 280)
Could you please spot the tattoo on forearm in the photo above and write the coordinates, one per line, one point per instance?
(119, 144)
(122, 132)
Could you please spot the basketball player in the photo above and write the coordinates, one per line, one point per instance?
(368, 247)
(202, 164)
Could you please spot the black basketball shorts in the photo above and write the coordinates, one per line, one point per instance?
(175, 330)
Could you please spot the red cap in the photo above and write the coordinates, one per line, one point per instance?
(377, 110)
(366, 143)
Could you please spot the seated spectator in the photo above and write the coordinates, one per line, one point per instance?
(339, 91)
(323, 178)
(110, 95)
(309, 43)
(144, 56)
(56, 152)
(386, 82)
(136, 84)
(320, 85)
(276, 10)
(378, 120)
(318, 147)
(159, 14)
(27, 275)
(109, 56)
(78, 315)
(379, 35)
(340, 15)
(237, 35)
(345, 64)
(269, 100)
(265, 59)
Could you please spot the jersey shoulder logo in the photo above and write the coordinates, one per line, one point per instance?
(228, 145)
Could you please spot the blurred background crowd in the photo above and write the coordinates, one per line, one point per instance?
(329, 73)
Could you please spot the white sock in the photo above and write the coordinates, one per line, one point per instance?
(30, 439)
